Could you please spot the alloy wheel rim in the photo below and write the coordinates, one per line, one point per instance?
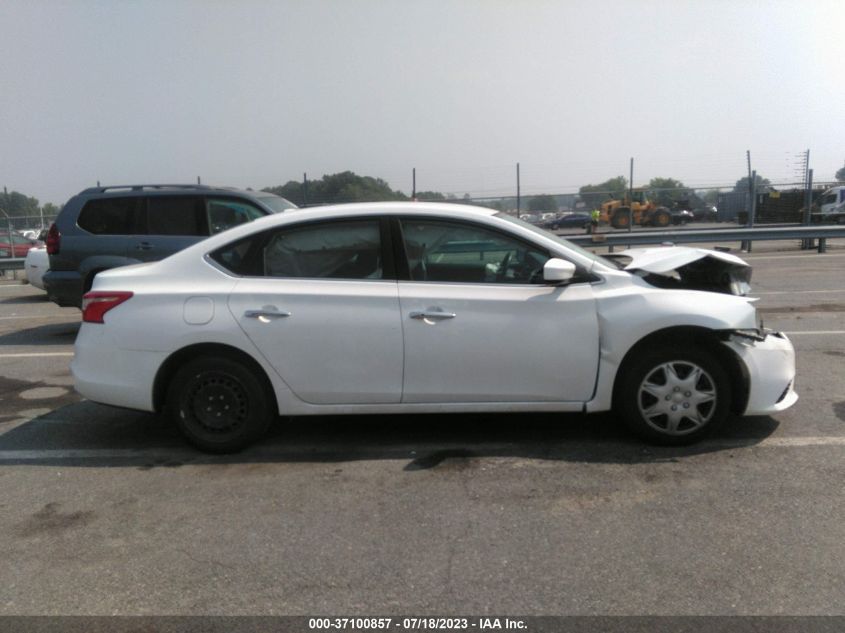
(677, 397)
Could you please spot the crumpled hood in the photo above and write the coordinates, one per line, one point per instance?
(688, 268)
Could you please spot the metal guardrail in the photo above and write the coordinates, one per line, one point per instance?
(11, 263)
(739, 234)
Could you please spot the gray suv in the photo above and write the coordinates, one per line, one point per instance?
(106, 227)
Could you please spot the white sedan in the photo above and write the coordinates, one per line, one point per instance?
(426, 308)
(37, 263)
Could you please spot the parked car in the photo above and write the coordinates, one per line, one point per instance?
(423, 307)
(37, 263)
(17, 245)
(105, 227)
(682, 216)
(568, 221)
(706, 214)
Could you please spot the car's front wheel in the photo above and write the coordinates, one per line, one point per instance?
(674, 396)
(219, 404)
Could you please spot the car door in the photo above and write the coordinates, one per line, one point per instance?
(479, 324)
(172, 223)
(321, 304)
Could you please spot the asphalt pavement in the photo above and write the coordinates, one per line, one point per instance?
(107, 511)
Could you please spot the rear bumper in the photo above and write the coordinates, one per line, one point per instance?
(771, 371)
(104, 373)
(64, 287)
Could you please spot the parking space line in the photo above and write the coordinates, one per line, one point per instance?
(797, 292)
(35, 354)
(36, 317)
(820, 332)
(24, 455)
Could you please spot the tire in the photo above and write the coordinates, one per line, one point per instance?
(662, 378)
(620, 219)
(219, 404)
(661, 218)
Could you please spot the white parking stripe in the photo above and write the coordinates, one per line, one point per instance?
(269, 452)
(796, 292)
(821, 332)
(36, 317)
(814, 254)
(36, 354)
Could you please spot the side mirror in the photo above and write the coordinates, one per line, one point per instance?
(557, 270)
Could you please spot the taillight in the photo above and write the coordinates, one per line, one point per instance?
(96, 304)
(54, 240)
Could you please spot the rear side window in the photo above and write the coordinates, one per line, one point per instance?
(110, 216)
(327, 250)
(177, 215)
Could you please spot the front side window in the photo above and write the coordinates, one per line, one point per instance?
(457, 252)
(326, 250)
(110, 216)
(176, 215)
(225, 213)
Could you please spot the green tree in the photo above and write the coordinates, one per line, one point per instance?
(337, 188)
(763, 184)
(16, 204)
(840, 175)
(543, 202)
(50, 210)
(594, 195)
(668, 192)
(430, 195)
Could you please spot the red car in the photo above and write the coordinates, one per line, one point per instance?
(19, 246)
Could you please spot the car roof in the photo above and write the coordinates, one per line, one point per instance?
(172, 188)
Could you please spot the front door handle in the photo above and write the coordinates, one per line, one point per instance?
(425, 315)
(144, 246)
(266, 313)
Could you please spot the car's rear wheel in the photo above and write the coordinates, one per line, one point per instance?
(673, 396)
(219, 404)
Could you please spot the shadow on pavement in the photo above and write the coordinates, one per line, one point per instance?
(50, 334)
(34, 298)
(87, 434)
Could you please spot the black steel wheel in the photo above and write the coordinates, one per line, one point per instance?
(673, 395)
(219, 404)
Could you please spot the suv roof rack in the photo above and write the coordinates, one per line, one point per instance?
(143, 187)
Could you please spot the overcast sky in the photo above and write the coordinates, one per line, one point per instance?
(253, 94)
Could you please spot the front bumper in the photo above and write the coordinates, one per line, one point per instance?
(770, 364)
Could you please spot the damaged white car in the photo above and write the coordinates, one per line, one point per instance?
(427, 308)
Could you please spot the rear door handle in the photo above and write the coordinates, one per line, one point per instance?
(144, 246)
(431, 314)
(266, 314)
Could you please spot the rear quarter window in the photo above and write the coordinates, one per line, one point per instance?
(110, 216)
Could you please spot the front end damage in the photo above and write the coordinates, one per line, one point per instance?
(683, 268)
(769, 360)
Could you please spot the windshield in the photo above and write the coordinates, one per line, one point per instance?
(559, 240)
(276, 203)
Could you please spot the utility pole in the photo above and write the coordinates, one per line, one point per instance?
(748, 160)
(631, 196)
(198, 180)
(808, 203)
(304, 189)
(414, 183)
(518, 201)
